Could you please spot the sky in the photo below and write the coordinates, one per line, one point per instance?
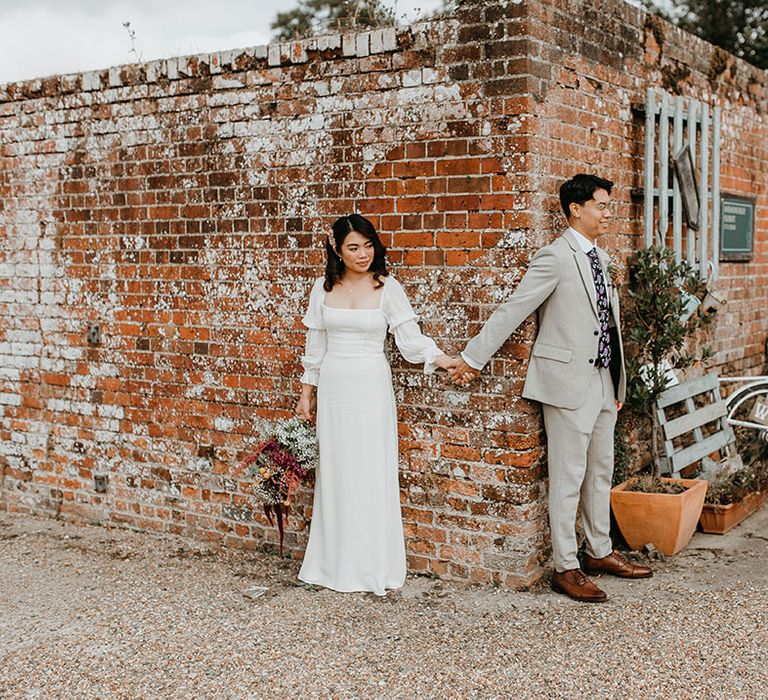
(39, 38)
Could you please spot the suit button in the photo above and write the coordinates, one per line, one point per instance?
(590, 361)
(597, 333)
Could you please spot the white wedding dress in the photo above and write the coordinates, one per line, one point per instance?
(356, 536)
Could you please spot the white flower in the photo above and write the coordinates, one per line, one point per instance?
(299, 437)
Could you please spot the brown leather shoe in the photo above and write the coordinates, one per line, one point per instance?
(616, 565)
(577, 586)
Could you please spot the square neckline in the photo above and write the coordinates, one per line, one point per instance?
(345, 308)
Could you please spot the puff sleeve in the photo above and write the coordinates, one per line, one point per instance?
(412, 343)
(315, 344)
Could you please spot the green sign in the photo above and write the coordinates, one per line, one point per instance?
(737, 227)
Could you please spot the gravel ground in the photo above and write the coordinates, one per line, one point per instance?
(91, 612)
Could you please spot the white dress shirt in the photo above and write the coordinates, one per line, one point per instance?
(586, 245)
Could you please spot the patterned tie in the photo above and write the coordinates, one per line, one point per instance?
(604, 343)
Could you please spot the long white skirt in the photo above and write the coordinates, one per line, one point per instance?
(356, 536)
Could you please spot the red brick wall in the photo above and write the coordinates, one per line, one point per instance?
(182, 205)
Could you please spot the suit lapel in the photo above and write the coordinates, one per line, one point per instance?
(582, 264)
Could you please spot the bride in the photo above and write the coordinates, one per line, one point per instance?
(356, 536)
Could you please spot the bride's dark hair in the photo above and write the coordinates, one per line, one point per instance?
(342, 227)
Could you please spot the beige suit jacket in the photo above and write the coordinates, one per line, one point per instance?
(558, 284)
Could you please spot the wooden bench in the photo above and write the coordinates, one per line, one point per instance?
(696, 408)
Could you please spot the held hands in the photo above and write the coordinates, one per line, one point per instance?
(445, 362)
(461, 373)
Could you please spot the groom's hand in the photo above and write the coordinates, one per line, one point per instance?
(462, 374)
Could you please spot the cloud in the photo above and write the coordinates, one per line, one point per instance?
(40, 37)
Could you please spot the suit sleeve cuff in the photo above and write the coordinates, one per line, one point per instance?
(472, 363)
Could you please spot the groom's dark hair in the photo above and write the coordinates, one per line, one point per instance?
(579, 189)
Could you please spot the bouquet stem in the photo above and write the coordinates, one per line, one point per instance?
(281, 516)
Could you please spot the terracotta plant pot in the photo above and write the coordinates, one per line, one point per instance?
(667, 521)
(718, 519)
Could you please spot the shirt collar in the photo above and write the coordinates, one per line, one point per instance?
(584, 243)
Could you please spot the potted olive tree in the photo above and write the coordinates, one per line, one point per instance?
(660, 326)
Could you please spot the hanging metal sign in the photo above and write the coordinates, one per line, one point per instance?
(737, 227)
(686, 179)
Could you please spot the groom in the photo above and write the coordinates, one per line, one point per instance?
(576, 371)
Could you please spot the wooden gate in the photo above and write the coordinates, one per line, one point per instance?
(687, 122)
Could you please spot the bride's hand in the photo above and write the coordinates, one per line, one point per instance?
(305, 407)
(445, 362)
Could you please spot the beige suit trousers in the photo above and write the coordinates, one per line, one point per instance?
(580, 458)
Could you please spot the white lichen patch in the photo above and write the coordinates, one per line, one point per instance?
(456, 398)
(224, 424)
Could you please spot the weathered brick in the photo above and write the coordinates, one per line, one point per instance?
(190, 225)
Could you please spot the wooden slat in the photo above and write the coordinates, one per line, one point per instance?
(693, 387)
(697, 434)
(685, 424)
(715, 192)
(677, 201)
(695, 452)
(703, 189)
(650, 153)
(691, 133)
(663, 170)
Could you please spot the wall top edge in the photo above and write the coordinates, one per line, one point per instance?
(337, 45)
